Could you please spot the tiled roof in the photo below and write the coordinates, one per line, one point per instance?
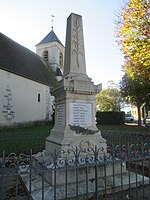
(51, 37)
(21, 61)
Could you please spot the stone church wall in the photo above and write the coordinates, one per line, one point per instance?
(23, 101)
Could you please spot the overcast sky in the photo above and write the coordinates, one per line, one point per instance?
(29, 21)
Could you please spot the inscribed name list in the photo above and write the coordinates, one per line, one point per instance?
(60, 115)
(80, 114)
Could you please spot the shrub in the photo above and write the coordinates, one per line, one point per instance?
(111, 118)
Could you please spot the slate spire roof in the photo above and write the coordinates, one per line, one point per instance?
(51, 37)
(21, 61)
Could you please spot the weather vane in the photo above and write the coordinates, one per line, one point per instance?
(52, 20)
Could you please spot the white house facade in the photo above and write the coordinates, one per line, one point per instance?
(23, 100)
(25, 84)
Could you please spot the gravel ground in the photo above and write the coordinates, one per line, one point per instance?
(9, 192)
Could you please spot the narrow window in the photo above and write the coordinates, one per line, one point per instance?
(61, 59)
(45, 55)
(39, 97)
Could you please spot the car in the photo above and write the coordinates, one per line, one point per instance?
(129, 118)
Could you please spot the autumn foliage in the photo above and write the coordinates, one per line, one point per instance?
(133, 37)
(133, 33)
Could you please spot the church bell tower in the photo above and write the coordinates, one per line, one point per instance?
(52, 50)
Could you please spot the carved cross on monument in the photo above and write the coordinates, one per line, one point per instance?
(74, 98)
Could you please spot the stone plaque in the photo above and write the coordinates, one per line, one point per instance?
(83, 86)
(60, 115)
(80, 114)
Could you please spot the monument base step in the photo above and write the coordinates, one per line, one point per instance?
(85, 167)
(48, 182)
(40, 187)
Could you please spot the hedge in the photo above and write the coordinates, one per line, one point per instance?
(111, 118)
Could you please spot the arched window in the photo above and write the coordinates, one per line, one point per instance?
(61, 59)
(45, 55)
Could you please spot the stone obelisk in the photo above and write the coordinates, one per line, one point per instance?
(75, 98)
(75, 175)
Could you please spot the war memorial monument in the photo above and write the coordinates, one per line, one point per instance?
(75, 98)
(75, 148)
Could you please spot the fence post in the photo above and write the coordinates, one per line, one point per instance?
(96, 173)
(2, 166)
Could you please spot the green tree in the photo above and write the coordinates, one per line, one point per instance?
(133, 33)
(109, 100)
(136, 92)
(133, 36)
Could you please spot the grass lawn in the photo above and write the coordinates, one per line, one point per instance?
(126, 128)
(23, 139)
(125, 134)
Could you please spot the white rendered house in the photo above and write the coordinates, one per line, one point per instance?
(25, 84)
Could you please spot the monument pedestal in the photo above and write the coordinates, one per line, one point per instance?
(70, 141)
(75, 116)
